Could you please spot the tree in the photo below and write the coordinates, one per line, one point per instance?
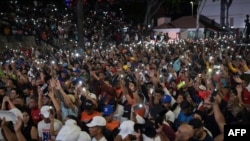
(173, 7)
(152, 7)
(228, 5)
(225, 5)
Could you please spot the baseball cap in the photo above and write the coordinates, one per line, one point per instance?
(97, 121)
(202, 87)
(92, 95)
(45, 111)
(166, 99)
(139, 119)
(126, 128)
(108, 110)
(88, 104)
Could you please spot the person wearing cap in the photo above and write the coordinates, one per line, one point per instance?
(89, 111)
(48, 127)
(185, 115)
(170, 115)
(200, 133)
(72, 132)
(96, 128)
(108, 113)
(126, 131)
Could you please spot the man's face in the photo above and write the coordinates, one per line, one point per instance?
(208, 107)
(93, 131)
(32, 104)
(13, 94)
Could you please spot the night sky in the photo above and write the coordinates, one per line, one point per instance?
(133, 10)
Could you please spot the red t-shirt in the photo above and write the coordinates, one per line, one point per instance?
(35, 115)
(246, 96)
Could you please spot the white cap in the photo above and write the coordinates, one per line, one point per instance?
(97, 121)
(126, 128)
(139, 119)
(202, 87)
(92, 95)
(45, 111)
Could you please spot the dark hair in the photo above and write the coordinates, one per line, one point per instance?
(200, 113)
(34, 98)
(160, 91)
(27, 110)
(196, 123)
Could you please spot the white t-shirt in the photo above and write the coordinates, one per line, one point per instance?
(119, 112)
(170, 115)
(44, 129)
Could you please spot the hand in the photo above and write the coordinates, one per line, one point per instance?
(138, 135)
(58, 85)
(159, 129)
(6, 99)
(3, 122)
(239, 89)
(52, 83)
(40, 92)
(18, 125)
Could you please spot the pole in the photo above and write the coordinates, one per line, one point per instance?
(192, 6)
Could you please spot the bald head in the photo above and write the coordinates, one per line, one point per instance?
(184, 132)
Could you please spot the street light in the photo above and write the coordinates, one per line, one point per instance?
(192, 4)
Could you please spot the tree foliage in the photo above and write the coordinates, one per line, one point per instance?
(152, 7)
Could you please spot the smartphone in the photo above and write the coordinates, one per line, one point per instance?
(215, 92)
(151, 90)
(44, 86)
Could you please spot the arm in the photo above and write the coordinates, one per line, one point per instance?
(7, 99)
(34, 133)
(67, 101)
(220, 120)
(56, 104)
(125, 92)
(17, 128)
(40, 98)
(10, 136)
(165, 89)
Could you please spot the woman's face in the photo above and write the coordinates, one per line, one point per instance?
(188, 98)
(179, 99)
(26, 117)
(131, 86)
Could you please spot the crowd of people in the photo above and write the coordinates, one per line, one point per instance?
(124, 86)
